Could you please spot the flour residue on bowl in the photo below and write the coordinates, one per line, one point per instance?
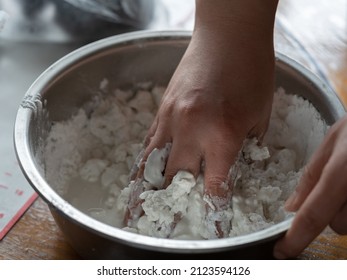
(88, 159)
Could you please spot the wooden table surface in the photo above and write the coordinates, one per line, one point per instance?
(321, 27)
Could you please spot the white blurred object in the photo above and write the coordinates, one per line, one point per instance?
(173, 15)
(136, 13)
(3, 18)
(73, 20)
(66, 21)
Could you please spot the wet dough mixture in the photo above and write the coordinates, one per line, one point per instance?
(88, 159)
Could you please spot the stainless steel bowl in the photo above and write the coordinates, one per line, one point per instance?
(126, 60)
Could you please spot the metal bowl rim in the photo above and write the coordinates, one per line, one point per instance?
(56, 202)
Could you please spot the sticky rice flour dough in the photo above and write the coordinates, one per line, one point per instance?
(88, 159)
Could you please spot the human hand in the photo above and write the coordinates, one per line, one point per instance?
(320, 198)
(220, 94)
(208, 110)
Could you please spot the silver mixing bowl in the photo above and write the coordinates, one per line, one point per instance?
(126, 60)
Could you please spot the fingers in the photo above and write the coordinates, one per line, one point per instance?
(137, 169)
(339, 222)
(151, 132)
(134, 209)
(184, 155)
(321, 196)
(326, 199)
(157, 137)
(219, 158)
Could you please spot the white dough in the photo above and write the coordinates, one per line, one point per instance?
(88, 161)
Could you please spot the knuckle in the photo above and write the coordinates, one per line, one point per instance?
(217, 186)
(191, 105)
(215, 181)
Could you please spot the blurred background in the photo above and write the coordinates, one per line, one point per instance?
(311, 31)
(39, 32)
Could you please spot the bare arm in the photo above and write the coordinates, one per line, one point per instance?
(220, 93)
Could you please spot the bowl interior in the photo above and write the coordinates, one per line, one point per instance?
(125, 61)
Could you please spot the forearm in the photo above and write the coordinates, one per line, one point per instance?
(234, 34)
(255, 16)
(241, 25)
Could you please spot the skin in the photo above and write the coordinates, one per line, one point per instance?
(323, 184)
(220, 94)
(214, 87)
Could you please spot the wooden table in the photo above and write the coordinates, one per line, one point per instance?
(321, 26)
(36, 236)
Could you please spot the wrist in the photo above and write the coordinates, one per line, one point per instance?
(224, 20)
